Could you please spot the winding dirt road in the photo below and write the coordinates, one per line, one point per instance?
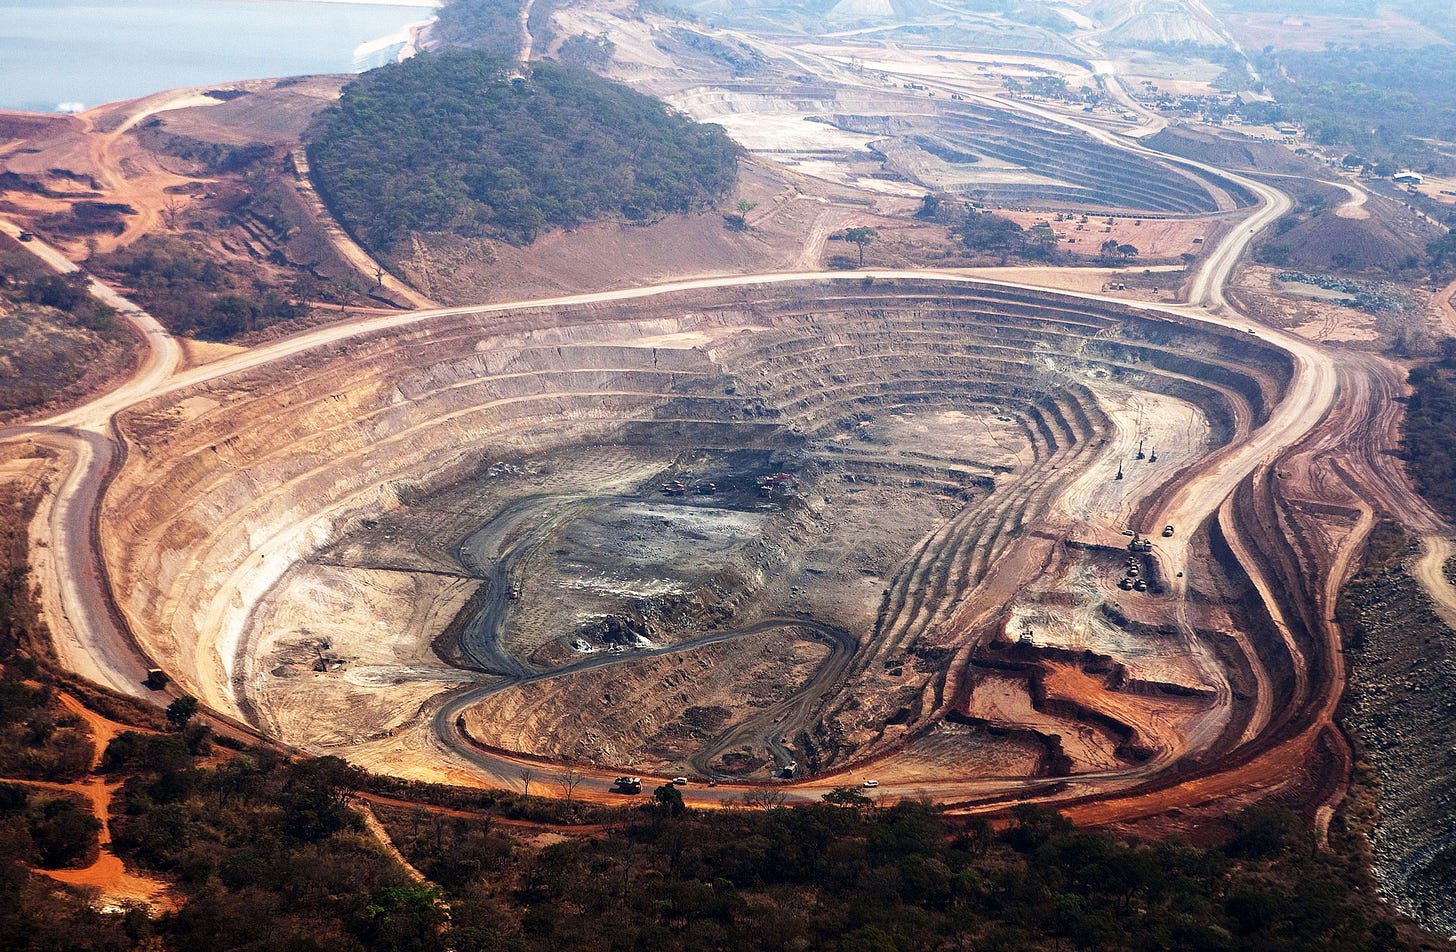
(107, 875)
(1430, 571)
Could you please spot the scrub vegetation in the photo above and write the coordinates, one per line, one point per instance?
(453, 143)
(1430, 415)
(1388, 106)
(54, 336)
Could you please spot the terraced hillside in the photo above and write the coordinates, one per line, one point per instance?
(731, 533)
(997, 155)
(1013, 159)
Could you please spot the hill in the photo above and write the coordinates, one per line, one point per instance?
(1328, 231)
(451, 143)
(56, 341)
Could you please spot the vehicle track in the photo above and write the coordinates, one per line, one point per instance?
(510, 541)
(794, 713)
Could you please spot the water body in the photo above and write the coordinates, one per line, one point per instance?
(62, 55)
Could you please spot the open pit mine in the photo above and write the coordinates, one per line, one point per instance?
(948, 534)
(718, 500)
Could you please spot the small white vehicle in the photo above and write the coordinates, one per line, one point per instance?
(680, 781)
(871, 784)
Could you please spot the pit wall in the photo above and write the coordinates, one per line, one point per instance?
(229, 482)
(225, 489)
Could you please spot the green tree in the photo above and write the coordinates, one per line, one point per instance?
(669, 800)
(986, 231)
(1442, 251)
(182, 710)
(64, 833)
(1045, 239)
(450, 144)
(405, 917)
(738, 221)
(315, 798)
(846, 797)
(1265, 833)
(861, 235)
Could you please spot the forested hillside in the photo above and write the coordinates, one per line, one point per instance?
(1429, 422)
(451, 143)
(1385, 105)
(492, 26)
(55, 339)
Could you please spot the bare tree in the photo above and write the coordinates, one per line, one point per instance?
(569, 779)
(347, 297)
(764, 798)
(527, 774)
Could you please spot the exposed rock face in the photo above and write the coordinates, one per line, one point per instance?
(946, 417)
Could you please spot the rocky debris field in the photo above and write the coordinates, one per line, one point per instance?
(1401, 701)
